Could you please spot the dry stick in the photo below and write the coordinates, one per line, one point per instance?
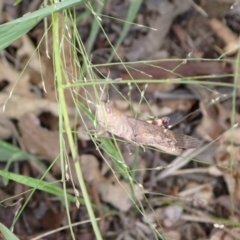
(179, 162)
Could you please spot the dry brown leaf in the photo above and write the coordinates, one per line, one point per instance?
(82, 134)
(171, 70)
(118, 194)
(209, 128)
(52, 220)
(218, 234)
(176, 235)
(121, 105)
(215, 120)
(199, 192)
(186, 41)
(225, 234)
(228, 160)
(40, 141)
(230, 39)
(214, 171)
(28, 51)
(145, 112)
(9, 74)
(146, 46)
(115, 193)
(226, 156)
(223, 32)
(179, 104)
(172, 215)
(231, 137)
(90, 169)
(222, 157)
(8, 209)
(17, 106)
(7, 128)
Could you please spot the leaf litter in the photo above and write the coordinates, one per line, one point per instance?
(181, 196)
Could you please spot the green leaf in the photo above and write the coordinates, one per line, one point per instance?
(8, 152)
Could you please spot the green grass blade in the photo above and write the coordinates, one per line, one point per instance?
(132, 12)
(8, 235)
(37, 184)
(11, 154)
(13, 30)
(8, 152)
(94, 28)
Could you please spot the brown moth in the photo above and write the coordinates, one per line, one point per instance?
(143, 133)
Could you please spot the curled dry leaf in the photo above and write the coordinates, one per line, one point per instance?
(231, 136)
(228, 153)
(228, 160)
(211, 125)
(215, 120)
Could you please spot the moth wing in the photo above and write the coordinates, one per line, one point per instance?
(185, 141)
(140, 127)
(166, 144)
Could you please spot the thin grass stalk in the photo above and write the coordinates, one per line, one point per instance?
(233, 114)
(62, 102)
(65, 124)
